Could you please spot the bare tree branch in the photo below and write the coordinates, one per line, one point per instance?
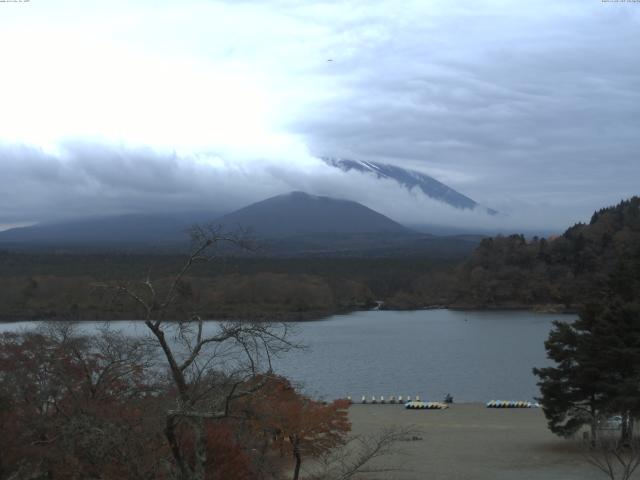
(359, 454)
(617, 459)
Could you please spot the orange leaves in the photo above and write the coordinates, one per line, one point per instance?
(70, 409)
(82, 406)
(226, 459)
(296, 421)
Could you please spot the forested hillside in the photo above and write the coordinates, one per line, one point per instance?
(558, 273)
(561, 272)
(66, 286)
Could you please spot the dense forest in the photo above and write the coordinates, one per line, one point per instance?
(559, 273)
(68, 286)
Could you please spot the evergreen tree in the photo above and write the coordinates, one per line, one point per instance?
(572, 392)
(597, 358)
(618, 327)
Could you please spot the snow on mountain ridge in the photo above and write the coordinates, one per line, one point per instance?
(410, 179)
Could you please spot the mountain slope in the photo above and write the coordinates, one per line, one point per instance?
(309, 223)
(291, 225)
(139, 230)
(409, 179)
(298, 213)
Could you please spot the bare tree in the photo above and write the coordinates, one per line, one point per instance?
(616, 459)
(359, 455)
(209, 366)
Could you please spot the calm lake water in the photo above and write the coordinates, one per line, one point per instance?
(475, 356)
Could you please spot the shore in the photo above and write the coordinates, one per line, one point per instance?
(472, 442)
(272, 316)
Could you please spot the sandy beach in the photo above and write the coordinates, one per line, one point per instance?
(472, 442)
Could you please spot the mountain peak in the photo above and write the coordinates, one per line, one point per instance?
(298, 195)
(299, 213)
(409, 179)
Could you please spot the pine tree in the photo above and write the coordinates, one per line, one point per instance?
(572, 392)
(597, 358)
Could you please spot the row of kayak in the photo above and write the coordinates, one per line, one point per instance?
(426, 405)
(391, 399)
(511, 404)
(491, 404)
(418, 404)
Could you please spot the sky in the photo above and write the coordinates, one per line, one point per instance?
(530, 108)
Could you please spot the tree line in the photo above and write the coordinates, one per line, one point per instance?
(563, 272)
(62, 286)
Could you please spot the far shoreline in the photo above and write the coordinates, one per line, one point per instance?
(309, 316)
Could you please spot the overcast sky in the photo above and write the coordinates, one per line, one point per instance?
(531, 108)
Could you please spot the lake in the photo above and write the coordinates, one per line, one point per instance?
(473, 355)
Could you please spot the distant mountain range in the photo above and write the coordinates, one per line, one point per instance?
(410, 179)
(293, 224)
(155, 230)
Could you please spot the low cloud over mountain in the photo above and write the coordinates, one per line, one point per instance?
(532, 111)
(88, 179)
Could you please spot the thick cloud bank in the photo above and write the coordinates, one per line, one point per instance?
(532, 109)
(83, 180)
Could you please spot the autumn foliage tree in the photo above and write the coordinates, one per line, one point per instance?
(77, 407)
(297, 425)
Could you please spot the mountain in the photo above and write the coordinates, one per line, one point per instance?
(298, 224)
(301, 214)
(292, 225)
(313, 222)
(122, 231)
(410, 179)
